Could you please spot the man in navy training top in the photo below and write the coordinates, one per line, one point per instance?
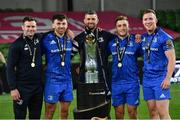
(24, 72)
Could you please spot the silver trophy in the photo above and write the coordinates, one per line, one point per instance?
(91, 73)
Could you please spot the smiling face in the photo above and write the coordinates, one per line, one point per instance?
(60, 26)
(149, 22)
(122, 27)
(29, 28)
(91, 21)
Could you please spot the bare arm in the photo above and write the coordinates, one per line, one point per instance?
(170, 54)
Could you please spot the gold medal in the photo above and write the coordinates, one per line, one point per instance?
(32, 64)
(62, 63)
(119, 65)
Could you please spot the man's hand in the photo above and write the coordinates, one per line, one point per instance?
(70, 34)
(77, 70)
(100, 29)
(165, 83)
(138, 38)
(15, 95)
(2, 58)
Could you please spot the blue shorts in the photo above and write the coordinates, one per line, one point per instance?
(152, 90)
(62, 92)
(126, 93)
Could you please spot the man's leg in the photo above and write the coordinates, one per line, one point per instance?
(65, 100)
(132, 112)
(163, 109)
(119, 112)
(64, 110)
(51, 97)
(20, 109)
(132, 99)
(149, 97)
(35, 105)
(49, 110)
(20, 106)
(153, 112)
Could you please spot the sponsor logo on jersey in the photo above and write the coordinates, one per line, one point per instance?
(154, 49)
(55, 51)
(129, 53)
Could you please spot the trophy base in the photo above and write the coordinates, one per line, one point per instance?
(101, 111)
(91, 101)
(90, 95)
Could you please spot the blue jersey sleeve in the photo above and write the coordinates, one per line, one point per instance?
(168, 44)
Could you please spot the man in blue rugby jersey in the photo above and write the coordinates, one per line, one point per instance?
(125, 80)
(159, 62)
(57, 47)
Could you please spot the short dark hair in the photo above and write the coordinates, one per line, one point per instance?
(28, 18)
(59, 17)
(91, 12)
(149, 11)
(121, 17)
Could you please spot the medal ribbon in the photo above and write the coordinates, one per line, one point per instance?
(30, 50)
(62, 48)
(120, 53)
(148, 47)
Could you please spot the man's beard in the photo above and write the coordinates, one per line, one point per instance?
(30, 36)
(91, 27)
(89, 30)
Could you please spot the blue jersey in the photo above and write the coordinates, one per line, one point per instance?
(53, 47)
(155, 64)
(128, 73)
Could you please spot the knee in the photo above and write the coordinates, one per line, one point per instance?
(153, 113)
(64, 110)
(119, 114)
(50, 108)
(49, 111)
(164, 114)
(132, 112)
